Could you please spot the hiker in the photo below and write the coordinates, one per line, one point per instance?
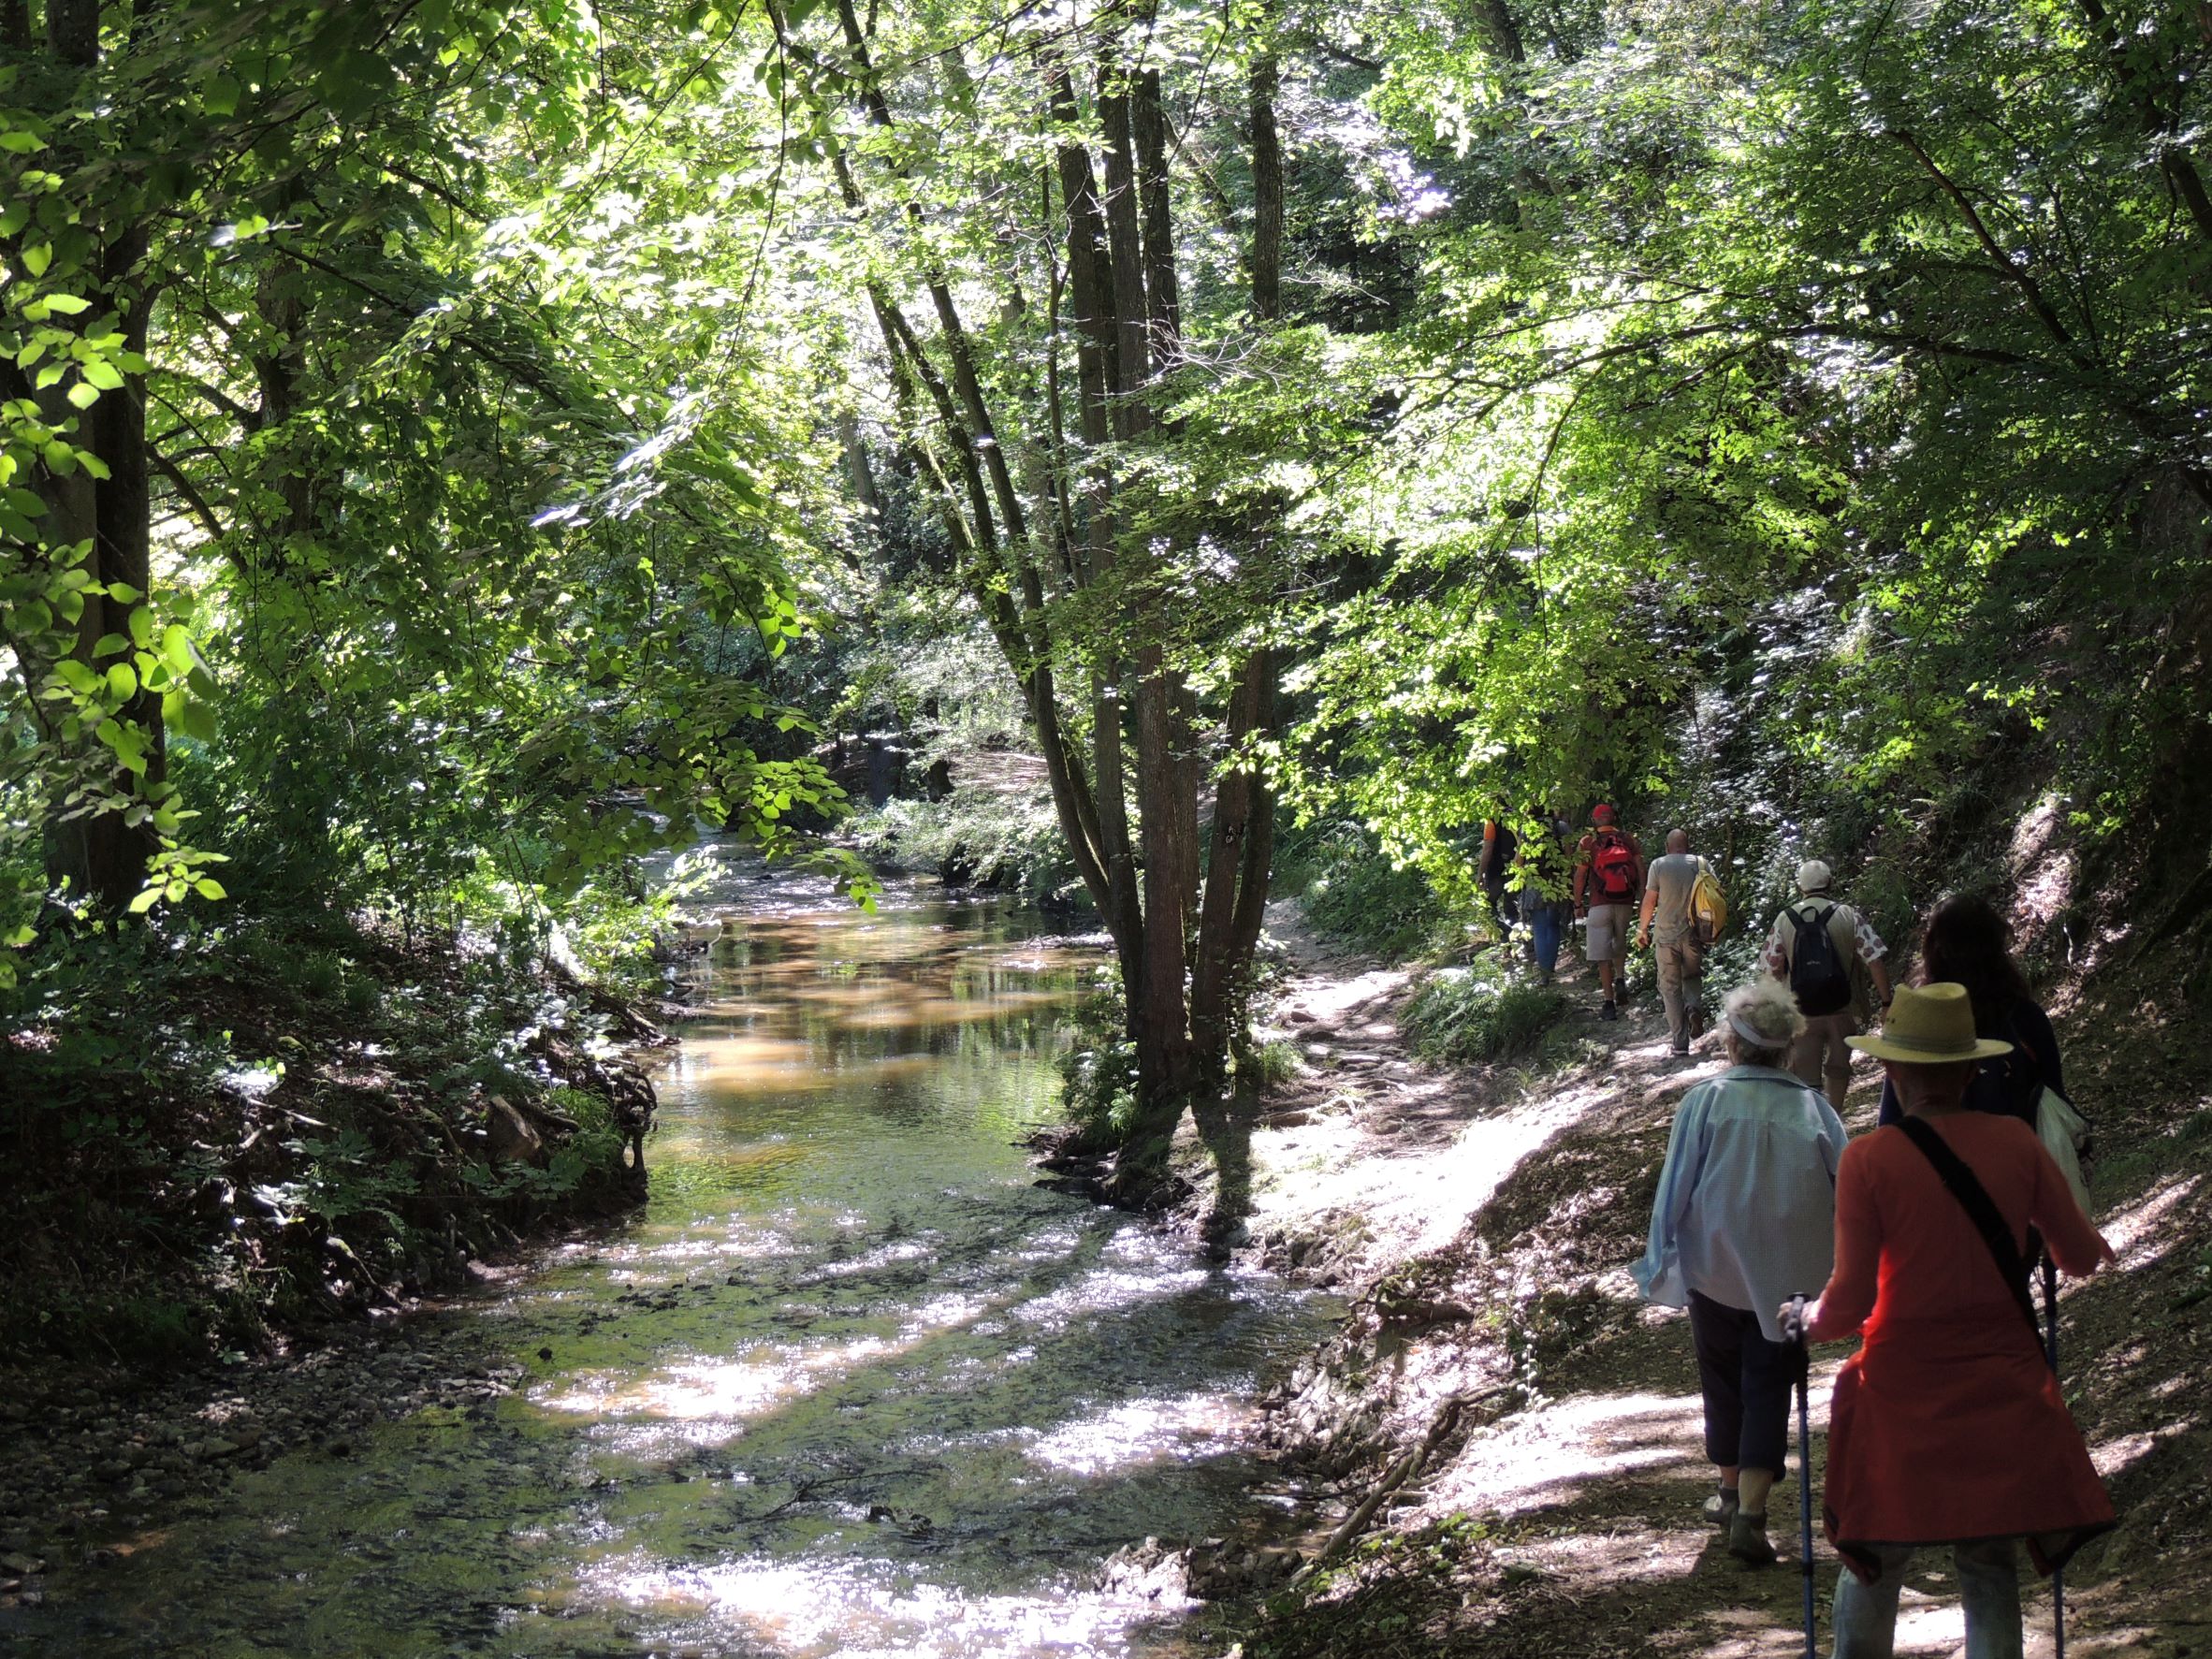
(1679, 953)
(1498, 845)
(1608, 876)
(1947, 1425)
(1744, 1218)
(1542, 878)
(1826, 952)
(1966, 944)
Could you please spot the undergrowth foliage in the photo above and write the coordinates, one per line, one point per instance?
(305, 1131)
(1466, 1014)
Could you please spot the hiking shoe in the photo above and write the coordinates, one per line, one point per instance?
(1697, 1023)
(1720, 1508)
(1609, 1011)
(1748, 1540)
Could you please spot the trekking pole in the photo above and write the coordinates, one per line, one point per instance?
(2050, 1352)
(1805, 1457)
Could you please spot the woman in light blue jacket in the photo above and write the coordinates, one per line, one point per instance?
(1745, 1219)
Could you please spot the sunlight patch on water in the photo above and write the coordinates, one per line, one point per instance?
(1106, 1290)
(1141, 1431)
(809, 1613)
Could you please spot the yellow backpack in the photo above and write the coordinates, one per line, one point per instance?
(1708, 905)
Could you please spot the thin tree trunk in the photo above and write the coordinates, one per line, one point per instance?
(1148, 130)
(1267, 191)
(1242, 851)
(1165, 1078)
(98, 853)
(1089, 279)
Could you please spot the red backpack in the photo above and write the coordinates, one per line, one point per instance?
(1612, 868)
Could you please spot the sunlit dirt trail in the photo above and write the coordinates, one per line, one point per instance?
(1482, 1222)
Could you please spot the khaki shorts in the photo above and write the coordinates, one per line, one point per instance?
(1608, 933)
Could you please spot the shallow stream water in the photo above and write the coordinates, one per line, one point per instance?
(850, 1384)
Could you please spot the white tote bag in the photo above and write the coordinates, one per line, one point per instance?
(2061, 1130)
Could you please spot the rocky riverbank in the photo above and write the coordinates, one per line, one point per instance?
(91, 1461)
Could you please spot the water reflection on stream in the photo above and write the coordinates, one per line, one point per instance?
(850, 1384)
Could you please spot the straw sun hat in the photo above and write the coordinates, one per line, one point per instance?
(1929, 1026)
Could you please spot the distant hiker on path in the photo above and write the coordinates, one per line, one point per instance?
(1826, 952)
(1541, 876)
(1966, 944)
(1947, 1426)
(1742, 1221)
(1681, 954)
(1498, 845)
(1608, 876)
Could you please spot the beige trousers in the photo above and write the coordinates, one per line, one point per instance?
(1819, 1057)
(1681, 987)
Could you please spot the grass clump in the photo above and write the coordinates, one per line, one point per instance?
(1462, 1015)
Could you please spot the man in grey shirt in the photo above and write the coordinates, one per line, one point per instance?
(1666, 923)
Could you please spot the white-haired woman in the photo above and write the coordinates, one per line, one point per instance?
(1744, 1219)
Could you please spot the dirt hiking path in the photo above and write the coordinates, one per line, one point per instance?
(1481, 1222)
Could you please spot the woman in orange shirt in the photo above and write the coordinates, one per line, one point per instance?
(1947, 1426)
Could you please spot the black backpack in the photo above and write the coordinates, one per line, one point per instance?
(1817, 976)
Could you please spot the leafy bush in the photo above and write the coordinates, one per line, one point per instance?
(981, 836)
(1098, 1075)
(1460, 1015)
(1351, 889)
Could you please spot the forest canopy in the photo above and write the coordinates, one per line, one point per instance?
(450, 451)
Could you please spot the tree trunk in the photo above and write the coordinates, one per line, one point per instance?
(1242, 851)
(99, 853)
(1089, 291)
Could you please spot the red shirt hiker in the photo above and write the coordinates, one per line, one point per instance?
(1947, 1423)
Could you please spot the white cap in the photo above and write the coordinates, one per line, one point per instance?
(1814, 876)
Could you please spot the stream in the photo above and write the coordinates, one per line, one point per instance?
(850, 1382)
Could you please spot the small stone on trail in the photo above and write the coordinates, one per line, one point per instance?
(544, 1353)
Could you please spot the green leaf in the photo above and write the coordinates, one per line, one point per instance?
(142, 627)
(207, 887)
(220, 96)
(78, 677)
(69, 305)
(123, 682)
(84, 395)
(102, 373)
(147, 897)
(36, 260)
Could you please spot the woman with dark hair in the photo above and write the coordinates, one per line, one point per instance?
(1967, 943)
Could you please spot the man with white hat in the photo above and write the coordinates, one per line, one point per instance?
(1826, 952)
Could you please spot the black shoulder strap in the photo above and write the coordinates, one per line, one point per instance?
(1981, 1209)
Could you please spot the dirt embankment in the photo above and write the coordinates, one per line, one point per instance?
(1502, 1445)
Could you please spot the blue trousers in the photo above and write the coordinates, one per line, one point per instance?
(1989, 1586)
(1544, 926)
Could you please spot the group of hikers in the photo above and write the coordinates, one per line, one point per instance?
(1776, 1230)
(1825, 951)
